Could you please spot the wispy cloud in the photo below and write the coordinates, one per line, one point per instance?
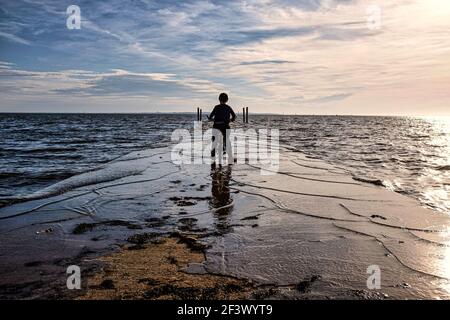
(313, 56)
(14, 38)
(116, 82)
(248, 63)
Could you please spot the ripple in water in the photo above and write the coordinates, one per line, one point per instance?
(404, 154)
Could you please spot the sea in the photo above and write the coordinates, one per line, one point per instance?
(408, 155)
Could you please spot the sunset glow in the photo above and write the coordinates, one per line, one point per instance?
(313, 57)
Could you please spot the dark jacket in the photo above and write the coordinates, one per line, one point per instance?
(222, 115)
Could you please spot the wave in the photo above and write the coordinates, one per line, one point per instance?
(50, 156)
(54, 175)
(444, 168)
(82, 180)
(77, 141)
(5, 175)
(41, 150)
(110, 172)
(38, 176)
(376, 182)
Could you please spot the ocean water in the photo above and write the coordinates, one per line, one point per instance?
(406, 155)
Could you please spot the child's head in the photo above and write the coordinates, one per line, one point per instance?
(223, 98)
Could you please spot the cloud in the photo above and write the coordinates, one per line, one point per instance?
(247, 63)
(6, 65)
(289, 55)
(331, 98)
(116, 82)
(14, 38)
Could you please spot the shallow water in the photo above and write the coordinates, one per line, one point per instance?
(37, 150)
(311, 220)
(406, 155)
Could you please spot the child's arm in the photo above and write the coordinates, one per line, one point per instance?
(233, 115)
(212, 114)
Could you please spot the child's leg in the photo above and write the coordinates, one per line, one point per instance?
(228, 148)
(224, 137)
(217, 140)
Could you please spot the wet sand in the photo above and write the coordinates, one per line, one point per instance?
(156, 271)
(142, 227)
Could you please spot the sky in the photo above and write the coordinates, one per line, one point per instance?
(378, 57)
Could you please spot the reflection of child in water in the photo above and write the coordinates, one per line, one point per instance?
(220, 193)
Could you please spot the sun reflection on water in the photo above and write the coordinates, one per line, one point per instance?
(436, 177)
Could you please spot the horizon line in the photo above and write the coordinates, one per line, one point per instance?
(256, 113)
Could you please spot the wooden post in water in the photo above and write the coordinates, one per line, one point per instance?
(200, 119)
(243, 115)
(198, 113)
(246, 115)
